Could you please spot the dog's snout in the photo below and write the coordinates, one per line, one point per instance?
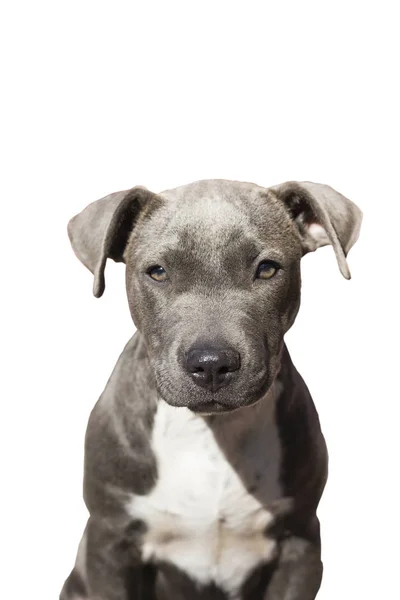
(211, 368)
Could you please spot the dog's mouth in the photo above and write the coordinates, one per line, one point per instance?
(224, 400)
(210, 408)
(213, 407)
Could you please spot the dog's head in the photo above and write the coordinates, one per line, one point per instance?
(213, 277)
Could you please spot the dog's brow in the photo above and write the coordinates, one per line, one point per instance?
(247, 248)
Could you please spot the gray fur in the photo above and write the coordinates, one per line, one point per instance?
(210, 237)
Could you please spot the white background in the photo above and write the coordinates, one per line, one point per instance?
(101, 96)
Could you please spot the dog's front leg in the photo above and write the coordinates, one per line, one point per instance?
(299, 572)
(108, 566)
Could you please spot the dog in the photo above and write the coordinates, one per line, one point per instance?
(204, 457)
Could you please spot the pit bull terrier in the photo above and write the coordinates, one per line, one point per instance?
(204, 457)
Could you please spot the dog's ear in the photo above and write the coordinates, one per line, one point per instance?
(102, 229)
(323, 216)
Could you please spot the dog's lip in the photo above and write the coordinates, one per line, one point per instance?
(213, 406)
(210, 408)
(209, 402)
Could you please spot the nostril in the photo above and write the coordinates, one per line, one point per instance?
(210, 367)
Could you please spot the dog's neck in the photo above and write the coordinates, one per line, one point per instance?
(245, 418)
(238, 432)
(248, 438)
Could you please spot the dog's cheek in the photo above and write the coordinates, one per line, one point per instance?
(290, 299)
(150, 314)
(142, 301)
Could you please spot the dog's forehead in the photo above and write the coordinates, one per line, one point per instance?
(207, 212)
(213, 221)
(214, 188)
(209, 198)
(221, 207)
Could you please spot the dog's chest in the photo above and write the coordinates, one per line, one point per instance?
(200, 516)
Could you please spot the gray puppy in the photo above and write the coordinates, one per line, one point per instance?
(204, 460)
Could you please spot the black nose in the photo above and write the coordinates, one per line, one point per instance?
(212, 368)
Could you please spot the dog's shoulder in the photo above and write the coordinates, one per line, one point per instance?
(118, 455)
(304, 462)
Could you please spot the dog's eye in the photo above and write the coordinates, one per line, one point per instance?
(266, 270)
(157, 273)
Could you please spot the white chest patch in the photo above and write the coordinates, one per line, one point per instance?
(199, 516)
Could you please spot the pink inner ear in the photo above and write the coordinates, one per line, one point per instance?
(318, 234)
